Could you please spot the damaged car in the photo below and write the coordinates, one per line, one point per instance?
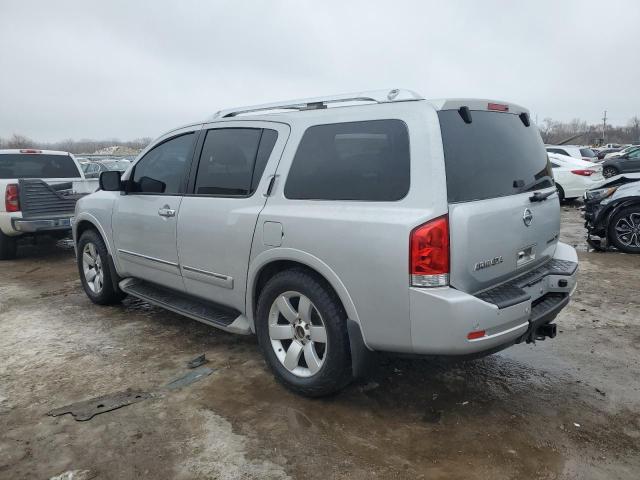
(612, 214)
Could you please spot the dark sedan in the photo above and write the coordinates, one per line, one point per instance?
(627, 163)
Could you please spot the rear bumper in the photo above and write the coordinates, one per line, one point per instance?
(41, 224)
(442, 318)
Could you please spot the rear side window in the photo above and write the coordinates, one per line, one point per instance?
(558, 150)
(233, 160)
(493, 156)
(37, 165)
(351, 161)
(587, 152)
(162, 169)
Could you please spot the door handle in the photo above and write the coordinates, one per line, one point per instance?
(167, 212)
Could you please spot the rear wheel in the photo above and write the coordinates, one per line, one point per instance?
(609, 171)
(560, 193)
(95, 274)
(8, 247)
(301, 328)
(624, 229)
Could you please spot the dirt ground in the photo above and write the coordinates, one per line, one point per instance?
(561, 409)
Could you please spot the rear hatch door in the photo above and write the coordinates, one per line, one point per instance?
(495, 165)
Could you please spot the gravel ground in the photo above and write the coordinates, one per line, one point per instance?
(566, 408)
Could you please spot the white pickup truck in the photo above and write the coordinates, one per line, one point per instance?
(40, 189)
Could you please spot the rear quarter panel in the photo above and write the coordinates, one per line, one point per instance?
(362, 246)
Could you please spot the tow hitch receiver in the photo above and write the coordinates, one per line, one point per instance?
(546, 330)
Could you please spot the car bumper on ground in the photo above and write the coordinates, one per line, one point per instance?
(510, 313)
(33, 225)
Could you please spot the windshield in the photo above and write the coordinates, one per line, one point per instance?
(495, 155)
(15, 165)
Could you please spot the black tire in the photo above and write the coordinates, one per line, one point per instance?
(107, 294)
(609, 171)
(560, 193)
(625, 243)
(8, 247)
(335, 372)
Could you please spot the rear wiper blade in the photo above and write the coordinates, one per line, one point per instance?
(539, 197)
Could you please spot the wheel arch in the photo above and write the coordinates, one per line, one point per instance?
(86, 221)
(272, 261)
(621, 204)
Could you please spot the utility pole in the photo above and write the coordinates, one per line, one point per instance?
(604, 127)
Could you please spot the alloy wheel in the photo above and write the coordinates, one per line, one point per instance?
(298, 334)
(92, 268)
(628, 230)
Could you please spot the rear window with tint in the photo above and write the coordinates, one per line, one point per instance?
(587, 152)
(366, 161)
(495, 155)
(36, 165)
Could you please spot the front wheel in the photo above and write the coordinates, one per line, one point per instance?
(624, 230)
(302, 332)
(95, 274)
(609, 172)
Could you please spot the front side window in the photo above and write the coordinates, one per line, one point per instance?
(162, 169)
(233, 160)
(366, 161)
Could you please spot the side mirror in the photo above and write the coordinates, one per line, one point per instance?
(110, 181)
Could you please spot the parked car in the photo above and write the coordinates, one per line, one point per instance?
(94, 169)
(583, 153)
(621, 152)
(605, 151)
(612, 214)
(573, 177)
(377, 221)
(627, 163)
(40, 190)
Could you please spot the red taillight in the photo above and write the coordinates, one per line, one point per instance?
(429, 254)
(498, 107)
(30, 150)
(584, 172)
(11, 199)
(475, 335)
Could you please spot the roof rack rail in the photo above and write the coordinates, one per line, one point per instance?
(376, 96)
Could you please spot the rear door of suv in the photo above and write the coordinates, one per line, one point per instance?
(495, 162)
(234, 164)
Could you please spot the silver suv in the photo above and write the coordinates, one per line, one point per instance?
(334, 227)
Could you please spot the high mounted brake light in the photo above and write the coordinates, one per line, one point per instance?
(11, 198)
(30, 150)
(498, 107)
(429, 254)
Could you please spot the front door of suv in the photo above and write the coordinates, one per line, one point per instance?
(231, 173)
(145, 217)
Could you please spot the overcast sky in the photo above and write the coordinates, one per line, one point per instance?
(127, 69)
